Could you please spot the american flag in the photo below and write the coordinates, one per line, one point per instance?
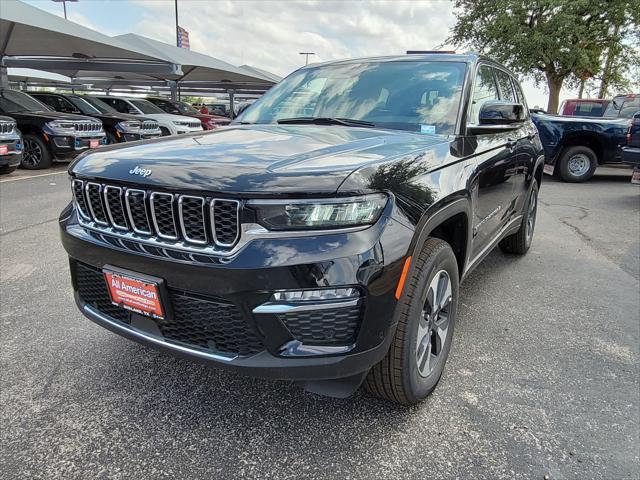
(183, 38)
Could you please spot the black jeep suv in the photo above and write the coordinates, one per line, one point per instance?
(49, 135)
(323, 236)
(118, 127)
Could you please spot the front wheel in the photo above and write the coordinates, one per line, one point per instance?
(422, 340)
(35, 156)
(520, 241)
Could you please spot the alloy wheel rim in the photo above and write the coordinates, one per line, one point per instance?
(32, 153)
(531, 215)
(579, 164)
(434, 323)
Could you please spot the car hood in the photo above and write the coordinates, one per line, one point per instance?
(166, 117)
(48, 116)
(255, 159)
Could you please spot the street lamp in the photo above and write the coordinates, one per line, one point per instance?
(306, 56)
(64, 5)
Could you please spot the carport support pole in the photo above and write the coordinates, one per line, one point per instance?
(173, 88)
(232, 94)
(4, 76)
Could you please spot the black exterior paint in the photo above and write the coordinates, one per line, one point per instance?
(469, 189)
(109, 120)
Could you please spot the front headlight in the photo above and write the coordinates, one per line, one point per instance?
(318, 214)
(130, 126)
(59, 127)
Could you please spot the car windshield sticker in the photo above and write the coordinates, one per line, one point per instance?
(428, 129)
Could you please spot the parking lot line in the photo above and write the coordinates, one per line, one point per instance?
(31, 176)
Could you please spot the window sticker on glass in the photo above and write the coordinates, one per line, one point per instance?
(431, 129)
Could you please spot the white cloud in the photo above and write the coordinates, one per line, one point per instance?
(270, 35)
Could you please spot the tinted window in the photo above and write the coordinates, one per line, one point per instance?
(405, 95)
(14, 101)
(506, 88)
(519, 95)
(484, 89)
(145, 106)
(99, 105)
(624, 107)
(84, 106)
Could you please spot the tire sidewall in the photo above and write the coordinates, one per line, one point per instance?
(525, 218)
(419, 387)
(566, 174)
(45, 161)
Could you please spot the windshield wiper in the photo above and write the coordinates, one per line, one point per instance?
(347, 122)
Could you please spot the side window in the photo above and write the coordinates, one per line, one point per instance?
(520, 96)
(484, 89)
(48, 101)
(506, 88)
(65, 105)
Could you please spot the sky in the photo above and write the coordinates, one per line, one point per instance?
(270, 34)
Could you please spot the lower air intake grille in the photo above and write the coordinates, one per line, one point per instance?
(201, 323)
(324, 327)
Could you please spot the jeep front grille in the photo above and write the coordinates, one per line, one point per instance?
(87, 127)
(6, 127)
(166, 217)
(149, 125)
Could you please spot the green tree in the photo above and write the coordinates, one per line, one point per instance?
(547, 40)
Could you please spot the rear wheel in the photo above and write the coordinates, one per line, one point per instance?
(426, 319)
(520, 241)
(35, 156)
(578, 164)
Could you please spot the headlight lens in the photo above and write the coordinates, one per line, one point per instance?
(60, 127)
(130, 126)
(319, 214)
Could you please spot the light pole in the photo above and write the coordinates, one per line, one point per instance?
(306, 56)
(177, 29)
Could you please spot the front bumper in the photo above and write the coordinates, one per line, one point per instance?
(10, 152)
(221, 298)
(68, 146)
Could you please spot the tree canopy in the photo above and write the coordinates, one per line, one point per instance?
(550, 40)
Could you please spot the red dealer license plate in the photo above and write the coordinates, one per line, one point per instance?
(135, 294)
(4, 149)
(94, 143)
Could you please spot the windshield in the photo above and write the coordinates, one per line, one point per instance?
(12, 101)
(186, 109)
(84, 106)
(100, 105)
(623, 107)
(405, 95)
(145, 106)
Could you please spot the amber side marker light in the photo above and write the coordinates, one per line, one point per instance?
(403, 277)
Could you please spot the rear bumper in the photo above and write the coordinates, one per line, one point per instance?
(311, 346)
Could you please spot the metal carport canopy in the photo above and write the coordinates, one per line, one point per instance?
(33, 38)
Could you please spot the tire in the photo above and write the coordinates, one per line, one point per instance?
(577, 164)
(36, 155)
(164, 132)
(520, 241)
(399, 377)
(6, 169)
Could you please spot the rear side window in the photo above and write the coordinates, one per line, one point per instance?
(506, 88)
(484, 90)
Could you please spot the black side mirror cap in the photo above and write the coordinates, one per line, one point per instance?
(499, 116)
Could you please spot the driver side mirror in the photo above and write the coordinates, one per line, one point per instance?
(499, 116)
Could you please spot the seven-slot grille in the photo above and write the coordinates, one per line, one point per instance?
(149, 125)
(87, 126)
(196, 220)
(6, 127)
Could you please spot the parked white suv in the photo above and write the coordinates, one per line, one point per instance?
(169, 124)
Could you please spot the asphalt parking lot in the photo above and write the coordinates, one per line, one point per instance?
(542, 379)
